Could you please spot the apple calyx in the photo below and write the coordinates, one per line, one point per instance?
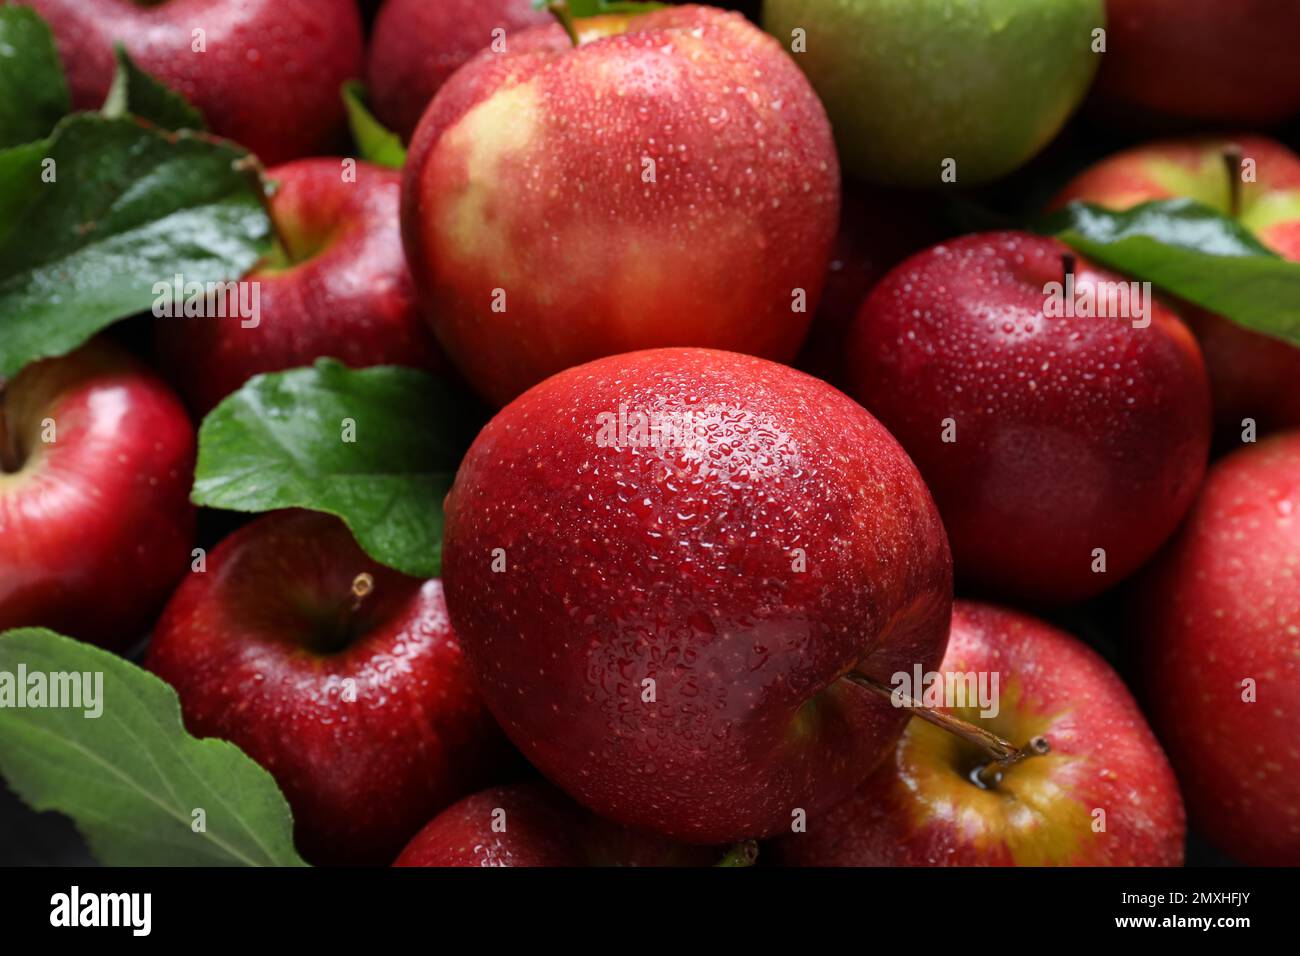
(744, 853)
(1004, 754)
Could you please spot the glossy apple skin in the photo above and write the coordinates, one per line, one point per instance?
(269, 78)
(350, 296)
(1222, 605)
(1071, 433)
(95, 528)
(525, 176)
(1251, 375)
(543, 827)
(416, 45)
(239, 642)
(676, 563)
(909, 85)
(920, 807)
(1203, 60)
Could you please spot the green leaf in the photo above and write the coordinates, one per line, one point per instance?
(1190, 251)
(138, 94)
(130, 206)
(132, 777)
(580, 9)
(279, 442)
(375, 143)
(33, 92)
(628, 6)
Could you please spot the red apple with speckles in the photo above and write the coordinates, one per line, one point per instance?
(417, 45)
(662, 566)
(1218, 625)
(1203, 60)
(340, 289)
(924, 806)
(1251, 375)
(1042, 438)
(671, 180)
(341, 677)
(96, 460)
(534, 824)
(265, 73)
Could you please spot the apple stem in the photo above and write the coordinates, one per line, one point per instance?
(362, 585)
(560, 10)
(10, 460)
(1004, 753)
(1232, 160)
(991, 773)
(252, 167)
(744, 853)
(1067, 266)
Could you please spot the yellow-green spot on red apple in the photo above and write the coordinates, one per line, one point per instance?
(496, 132)
(1030, 810)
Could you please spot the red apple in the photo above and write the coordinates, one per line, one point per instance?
(1043, 439)
(340, 676)
(341, 289)
(1251, 375)
(535, 825)
(670, 181)
(96, 460)
(1205, 60)
(416, 45)
(265, 73)
(926, 807)
(1219, 628)
(662, 616)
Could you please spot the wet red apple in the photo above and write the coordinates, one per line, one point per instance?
(96, 462)
(669, 180)
(534, 824)
(337, 285)
(417, 45)
(341, 677)
(1062, 449)
(265, 73)
(1203, 60)
(1103, 794)
(1218, 627)
(664, 565)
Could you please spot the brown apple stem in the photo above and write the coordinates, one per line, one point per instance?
(1232, 160)
(10, 460)
(1067, 266)
(345, 613)
(252, 167)
(744, 853)
(1004, 753)
(560, 10)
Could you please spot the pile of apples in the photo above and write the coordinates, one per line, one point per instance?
(691, 637)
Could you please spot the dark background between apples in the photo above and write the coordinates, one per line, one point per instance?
(28, 838)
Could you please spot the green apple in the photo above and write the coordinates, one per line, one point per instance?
(910, 84)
